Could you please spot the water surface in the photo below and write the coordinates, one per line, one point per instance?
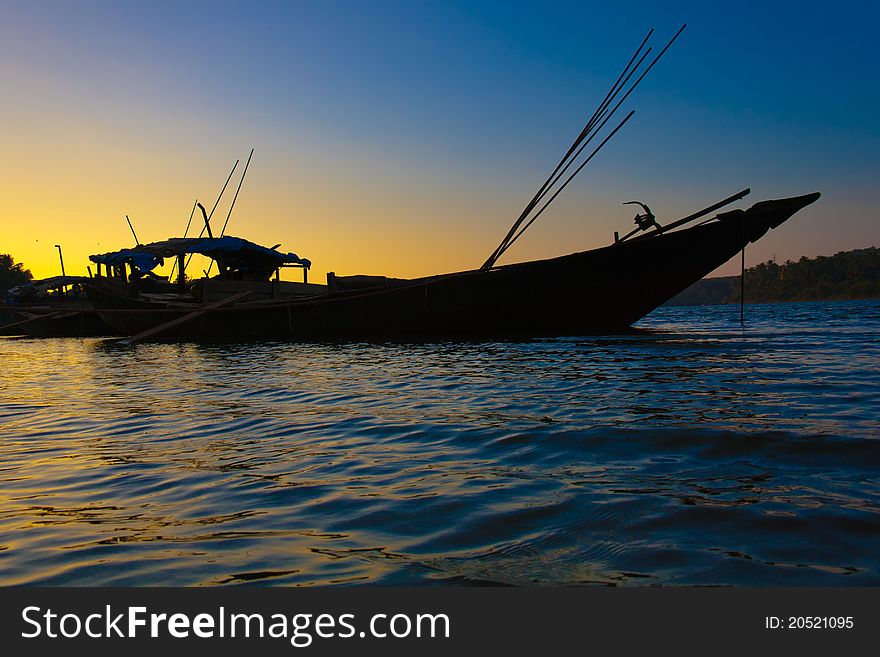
(691, 451)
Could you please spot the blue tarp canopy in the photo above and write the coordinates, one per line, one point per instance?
(147, 257)
(140, 259)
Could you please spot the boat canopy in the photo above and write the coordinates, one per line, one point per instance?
(233, 251)
(34, 289)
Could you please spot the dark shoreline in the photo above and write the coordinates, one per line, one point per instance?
(681, 300)
(845, 276)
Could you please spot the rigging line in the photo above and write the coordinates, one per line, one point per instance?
(587, 128)
(570, 178)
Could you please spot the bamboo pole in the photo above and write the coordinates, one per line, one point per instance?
(570, 178)
(131, 228)
(208, 218)
(234, 199)
(178, 321)
(56, 314)
(601, 112)
(581, 136)
(238, 189)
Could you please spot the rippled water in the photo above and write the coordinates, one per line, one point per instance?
(690, 451)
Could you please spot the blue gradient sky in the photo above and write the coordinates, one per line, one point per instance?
(404, 137)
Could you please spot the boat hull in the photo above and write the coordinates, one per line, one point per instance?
(599, 291)
(68, 322)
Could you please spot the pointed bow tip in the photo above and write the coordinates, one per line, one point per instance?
(810, 198)
(778, 211)
(800, 202)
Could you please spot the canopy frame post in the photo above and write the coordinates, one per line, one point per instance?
(181, 271)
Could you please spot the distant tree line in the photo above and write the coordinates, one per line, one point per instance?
(845, 275)
(11, 273)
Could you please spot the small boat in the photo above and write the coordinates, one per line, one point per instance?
(53, 307)
(598, 291)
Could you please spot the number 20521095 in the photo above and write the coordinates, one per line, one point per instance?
(809, 622)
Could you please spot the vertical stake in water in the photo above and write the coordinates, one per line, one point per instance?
(742, 287)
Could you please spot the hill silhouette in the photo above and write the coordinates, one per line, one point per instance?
(845, 275)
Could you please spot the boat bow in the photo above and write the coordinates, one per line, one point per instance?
(774, 213)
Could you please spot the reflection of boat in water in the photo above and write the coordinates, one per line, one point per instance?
(52, 308)
(606, 289)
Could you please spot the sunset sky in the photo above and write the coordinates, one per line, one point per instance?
(403, 138)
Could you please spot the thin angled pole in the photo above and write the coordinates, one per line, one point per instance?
(605, 117)
(612, 92)
(586, 130)
(509, 241)
(234, 199)
(694, 216)
(237, 190)
(61, 258)
(568, 180)
(191, 213)
(228, 178)
(208, 220)
(625, 96)
(137, 242)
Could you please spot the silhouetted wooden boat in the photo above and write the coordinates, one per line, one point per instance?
(603, 290)
(51, 308)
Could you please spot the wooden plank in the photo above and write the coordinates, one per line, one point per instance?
(65, 313)
(178, 321)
